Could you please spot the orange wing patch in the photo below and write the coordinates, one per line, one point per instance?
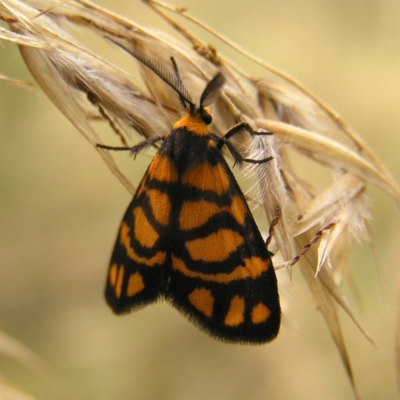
(204, 249)
(239, 273)
(162, 169)
(160, 205)
(202, 300)
(135, 284)
(238, 209)
(207, 177)
(143, 230)
(116, 278)
(196, 213)
(260, 313)
(235, 314)
(112, 274)
(255, 266)
(157, 259)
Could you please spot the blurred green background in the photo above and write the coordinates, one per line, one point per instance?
(60, 208)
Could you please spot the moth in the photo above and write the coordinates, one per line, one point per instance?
(188, 236)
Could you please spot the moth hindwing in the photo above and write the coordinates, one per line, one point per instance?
(188, 237)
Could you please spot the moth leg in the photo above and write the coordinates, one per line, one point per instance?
(239, 128)
(134, 149)
(244, 126)
(94, 100)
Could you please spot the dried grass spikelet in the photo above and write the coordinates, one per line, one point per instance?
(83, 86)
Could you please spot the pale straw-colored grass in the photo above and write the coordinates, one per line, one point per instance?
(70, 74)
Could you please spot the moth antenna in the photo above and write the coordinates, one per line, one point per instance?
(211, 92)
(159, 69)
(179, 81)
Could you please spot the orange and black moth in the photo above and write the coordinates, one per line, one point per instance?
(188, 235)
